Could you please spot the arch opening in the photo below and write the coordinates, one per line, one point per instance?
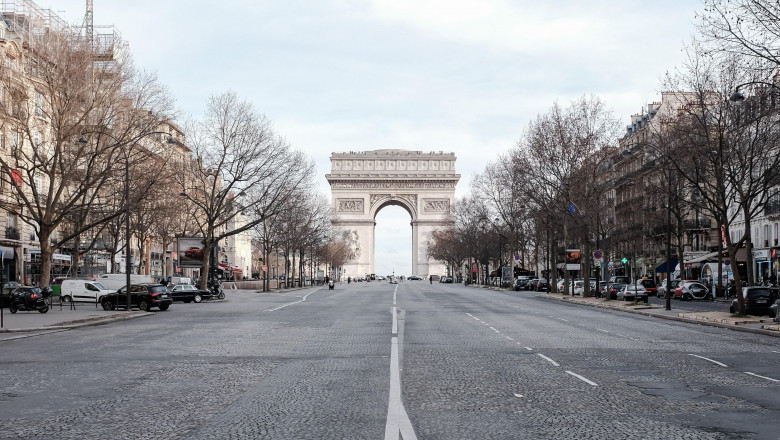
(393, 240)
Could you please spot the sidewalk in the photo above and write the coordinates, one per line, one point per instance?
(56, 319)
(751, 324)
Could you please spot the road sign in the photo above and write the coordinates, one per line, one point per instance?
(598, 255)
(727, 262)
(265, 268)
(517, 257)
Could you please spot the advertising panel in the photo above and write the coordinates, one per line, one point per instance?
(573, 259)
(190, 251)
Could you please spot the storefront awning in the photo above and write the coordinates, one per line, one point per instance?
(661, 268)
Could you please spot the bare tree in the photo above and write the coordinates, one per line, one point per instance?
(241, 166)
(749, 29)
(67, 95)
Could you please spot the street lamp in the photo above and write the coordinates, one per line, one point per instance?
(128, 266)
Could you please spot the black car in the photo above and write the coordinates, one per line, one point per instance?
(613, 288)
(144, 296)
(520, 284)
(758, 300)
(541, 285)
(188, 293)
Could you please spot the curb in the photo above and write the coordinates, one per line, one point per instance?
(89, 322)
(759, 331)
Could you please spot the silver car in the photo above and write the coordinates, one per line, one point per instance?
(633, 292)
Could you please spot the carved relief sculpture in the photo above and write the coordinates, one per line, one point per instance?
(351, 205)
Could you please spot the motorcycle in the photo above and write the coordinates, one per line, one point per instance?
(216, 289)
(29, 298)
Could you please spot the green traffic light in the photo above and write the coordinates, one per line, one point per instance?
(624, 260)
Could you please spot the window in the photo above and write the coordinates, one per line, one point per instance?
(38, 104)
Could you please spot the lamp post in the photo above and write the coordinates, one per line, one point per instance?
(128, 266)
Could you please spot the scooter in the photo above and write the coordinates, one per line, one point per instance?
(30, 298)
(216, 289)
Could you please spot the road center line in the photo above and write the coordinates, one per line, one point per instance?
(548, 359)
(395, 322)
(708, 359)
(528, 348)
(602, 330)
(398, 423)
(762, 377)
(582, 378)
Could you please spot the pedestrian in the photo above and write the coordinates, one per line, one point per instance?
(430, 279)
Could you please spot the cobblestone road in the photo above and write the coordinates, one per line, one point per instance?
(476, 364)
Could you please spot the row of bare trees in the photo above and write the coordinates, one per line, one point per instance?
(88, 150)
(574, 181)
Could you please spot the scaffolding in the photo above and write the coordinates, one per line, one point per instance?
(25, 20)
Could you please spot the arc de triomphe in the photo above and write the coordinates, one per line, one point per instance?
(362, 183)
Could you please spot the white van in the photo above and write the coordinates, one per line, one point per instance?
(118, 280)
(82, 290)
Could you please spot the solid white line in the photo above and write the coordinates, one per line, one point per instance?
(548, 359)
(292, 303)
(582, 378)
(395, 293)
(395, 322)
(708, 359)
(398, 422)
(762, 377)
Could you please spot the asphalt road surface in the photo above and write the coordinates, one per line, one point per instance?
(382, 361)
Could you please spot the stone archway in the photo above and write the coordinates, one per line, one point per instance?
(362, 183)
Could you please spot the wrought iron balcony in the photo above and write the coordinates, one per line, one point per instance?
(11, 233)
(702, 223)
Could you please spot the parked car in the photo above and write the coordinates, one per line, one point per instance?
(82, 290)
(143, 296)
(414, 278)
(521, 283)
(188, 293)
(447, 280)
(649, 285)
(619, 279)
(678, 291)
(758, 300)
(579, 287)
(613, 289)
(633, 292)
(532, 284)
(5, 296)
(541, 285)
(661, 289)
(695, 290)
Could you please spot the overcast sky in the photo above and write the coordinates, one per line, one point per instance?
(451, 75)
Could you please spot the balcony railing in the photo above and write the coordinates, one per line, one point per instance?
(11, 233)
(702, 223)
(772, 207)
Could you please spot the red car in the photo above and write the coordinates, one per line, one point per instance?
(678, 292)
(195, 253)
(649, 286)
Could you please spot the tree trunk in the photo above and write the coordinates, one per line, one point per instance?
(44, 236)
(751, 278)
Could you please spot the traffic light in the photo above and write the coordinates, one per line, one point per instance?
(624, 260)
